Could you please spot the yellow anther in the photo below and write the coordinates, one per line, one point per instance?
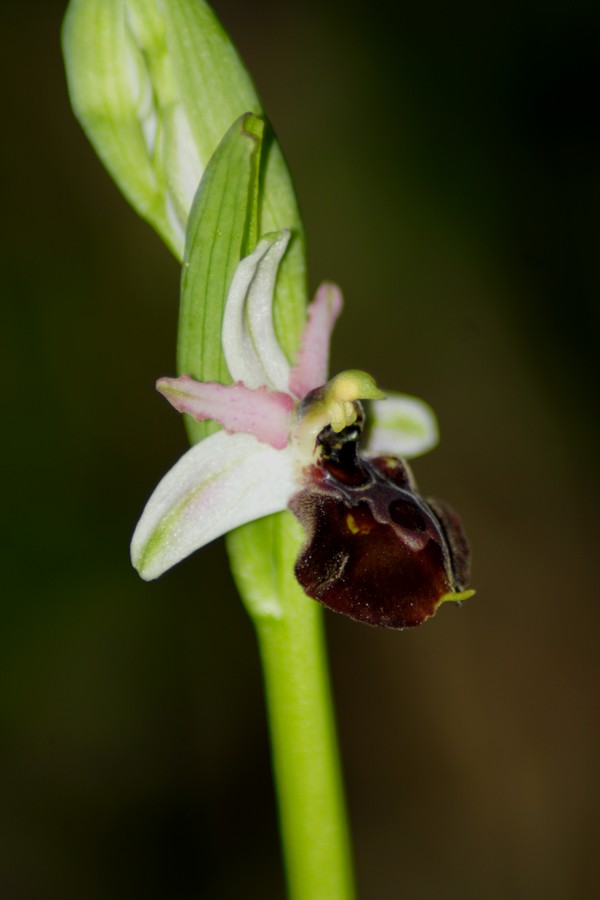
(341, 414)
(335, 404)
(353, 385)
(342, 393)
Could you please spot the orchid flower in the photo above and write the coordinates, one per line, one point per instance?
(374, 549)
(171, 110)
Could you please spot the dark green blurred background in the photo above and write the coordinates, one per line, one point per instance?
(447, 163)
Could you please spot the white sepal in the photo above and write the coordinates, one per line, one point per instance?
(224, 481)
(250, 347)
(401, 426)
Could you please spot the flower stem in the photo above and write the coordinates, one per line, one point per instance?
(305, 758)
(306, 765)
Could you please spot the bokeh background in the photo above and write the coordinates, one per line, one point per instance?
(447, 161)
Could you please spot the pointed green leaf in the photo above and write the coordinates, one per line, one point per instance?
(112, 97)
(214, 88)
(221, 229)
(156, 85)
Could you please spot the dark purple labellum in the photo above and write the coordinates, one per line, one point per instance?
(375, 550)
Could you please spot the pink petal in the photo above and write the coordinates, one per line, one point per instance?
(265, 414)
(312, 363)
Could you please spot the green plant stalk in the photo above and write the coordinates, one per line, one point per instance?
(156, 85)
(263, 553)
(289, 628)
(305, 758)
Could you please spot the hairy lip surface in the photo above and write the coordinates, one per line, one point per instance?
(375, 550)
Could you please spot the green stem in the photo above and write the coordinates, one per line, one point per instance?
(306, 764)
(305, 759)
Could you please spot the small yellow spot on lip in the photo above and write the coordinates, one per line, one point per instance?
(354, 527)
(351, 523)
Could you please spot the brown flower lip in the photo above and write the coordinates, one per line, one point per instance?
(375, 550)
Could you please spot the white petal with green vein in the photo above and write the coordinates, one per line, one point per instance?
(251, 349)
(401, 426)
(224, 481)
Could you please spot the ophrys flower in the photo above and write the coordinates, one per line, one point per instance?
(375, 550)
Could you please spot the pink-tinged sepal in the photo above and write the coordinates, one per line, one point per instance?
(265, 414)
(312, 363)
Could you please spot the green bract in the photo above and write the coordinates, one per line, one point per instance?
(222, 229)
(156, 84)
